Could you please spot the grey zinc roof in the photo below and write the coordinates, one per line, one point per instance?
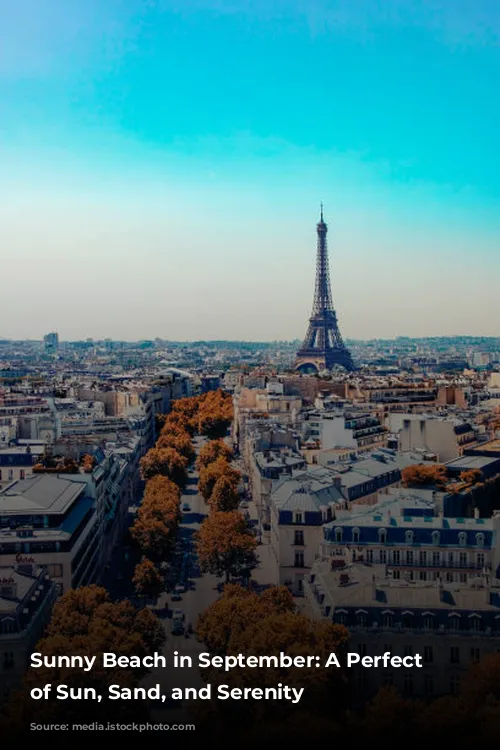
(40, 493)
(306, 491)
(364, 580)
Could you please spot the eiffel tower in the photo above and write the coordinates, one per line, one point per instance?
(323, 347)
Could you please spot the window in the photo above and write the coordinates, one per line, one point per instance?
(408, 684)
(0, 475)
(369, 556)
(423, 575)
(409, 557)
(436, 537)
(396, 557)
(475, 623)
(409, 537)
(480, 540)
(299, 583)
(355, 536)
(22, 474)
(388, 620)
(450, 559)
(298, 518)
(382, 536)
(455, 622)
(383, 556)
(436, 558)
(338, 534)
(408, 650)
(299, 560)
(475, 654)
(298, 537)
(462, 539)
(463, 559)
(454, 684)
(428, 654)
(454, 654)
(361, 619)
(428, 684)
(362, 649)
(463, 577)
(428, 622)
(396, 574)
(480, 560)
(340, 617)
(449, 577)
(11, 474)
(422, 557)
(388, 678)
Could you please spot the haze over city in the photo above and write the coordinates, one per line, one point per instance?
(163, 165)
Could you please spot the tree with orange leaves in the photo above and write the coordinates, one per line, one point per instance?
(147, 579)
(211, 451)
(224, 495)
(166, 461)
(226, 545)
(213, 472)
(419, 474)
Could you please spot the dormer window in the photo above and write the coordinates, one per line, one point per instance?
(480, 540)
(298, 518)
(462, 539)
(436, 536)
(338, 534)
(382, 536)
(409, 537)
(355, 536)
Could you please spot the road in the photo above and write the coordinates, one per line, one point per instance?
(202, 590)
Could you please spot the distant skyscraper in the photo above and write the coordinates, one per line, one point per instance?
(323, 347)
(51, 341)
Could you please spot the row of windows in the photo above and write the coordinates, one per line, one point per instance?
(409, 682)
(409, 557)
(455, 621)
(429, 653)
(409, 537)
(9, 475)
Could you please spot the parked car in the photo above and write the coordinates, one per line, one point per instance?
(244, 504)
(186, 508)
(176, 595)
(180, 588)
(178, 618)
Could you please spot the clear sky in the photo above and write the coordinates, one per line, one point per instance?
(162, 164)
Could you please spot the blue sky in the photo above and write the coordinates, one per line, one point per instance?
(162, 163)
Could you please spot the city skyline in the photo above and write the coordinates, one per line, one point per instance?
(163, 166)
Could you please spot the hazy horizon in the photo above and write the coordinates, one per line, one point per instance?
(163, 165)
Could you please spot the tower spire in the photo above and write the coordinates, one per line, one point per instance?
(323, 347)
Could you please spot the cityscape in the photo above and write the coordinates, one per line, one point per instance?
(250, 372)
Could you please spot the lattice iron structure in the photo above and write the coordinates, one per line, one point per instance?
(323, 347)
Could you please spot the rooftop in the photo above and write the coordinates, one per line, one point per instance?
(40, 493)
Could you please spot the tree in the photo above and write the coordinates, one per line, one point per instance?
(147, 579)
(211, 451)
(226, 545)
(153, 536)
(420, 474)
(166, 461)
(241, 621)
(214, 471)
(473, 476)
(215, 414)
(224, 494)
(180, 440)
(161, 489)
(86, 621)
